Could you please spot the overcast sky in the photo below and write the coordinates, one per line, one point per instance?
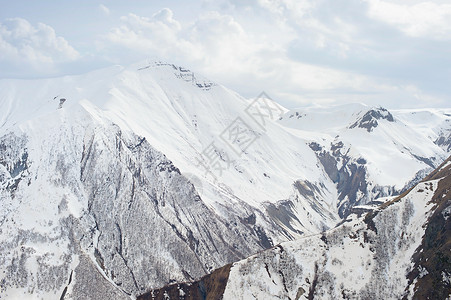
(394, 53)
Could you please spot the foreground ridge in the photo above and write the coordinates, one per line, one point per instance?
(399, 250)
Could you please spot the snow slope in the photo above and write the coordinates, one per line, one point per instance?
(348, 261)
(80, 198)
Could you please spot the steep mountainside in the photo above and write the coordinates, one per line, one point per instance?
(126, 179)
(399, 250)
(108, 196)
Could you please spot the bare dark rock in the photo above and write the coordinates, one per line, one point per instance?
(370, 119)
(210, 287)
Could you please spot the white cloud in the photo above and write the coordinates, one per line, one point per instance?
(159, 35)
(284, 8)
(424, 19)
(299, 51)
(212, 40)
(250, 59)
(217, 45)
(23, 44)
(104, 9)
(357, 57)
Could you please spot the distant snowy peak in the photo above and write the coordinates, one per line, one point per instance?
(346, 116)
(370, 119)
(322, 119)
(352, 142)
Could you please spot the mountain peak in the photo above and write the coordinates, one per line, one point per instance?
(369, 120)
(179, 72)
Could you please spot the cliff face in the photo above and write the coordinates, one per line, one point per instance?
(111, 205)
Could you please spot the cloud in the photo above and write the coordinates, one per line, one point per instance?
(213, 39)
(22, 44)
(425, 19)
(159, 35)
(311, 51)
(104, 9)
(349, 38)
(214, 42)
(298, 51)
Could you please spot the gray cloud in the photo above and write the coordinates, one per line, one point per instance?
(343, 35)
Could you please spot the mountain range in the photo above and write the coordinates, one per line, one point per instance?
(127, 179)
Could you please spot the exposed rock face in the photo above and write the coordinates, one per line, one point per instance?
(90, 283)
(127, 220)
(431, 274)
(444, 140)
(367, 152)
(155, 206)
(209, 287)
(399, 250)
(302, 210)
(13, 161)
(350, 176)
(369, 120)
(185, 74)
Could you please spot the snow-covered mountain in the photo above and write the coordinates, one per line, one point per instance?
(399, 250)
(129, 178)
(370, 152)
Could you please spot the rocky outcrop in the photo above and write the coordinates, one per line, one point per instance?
(444, 140)
(210, 287)
(348, 173)
(370, 119)
(185, 75)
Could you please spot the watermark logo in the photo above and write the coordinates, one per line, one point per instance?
(239, 136)
(214, 160)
